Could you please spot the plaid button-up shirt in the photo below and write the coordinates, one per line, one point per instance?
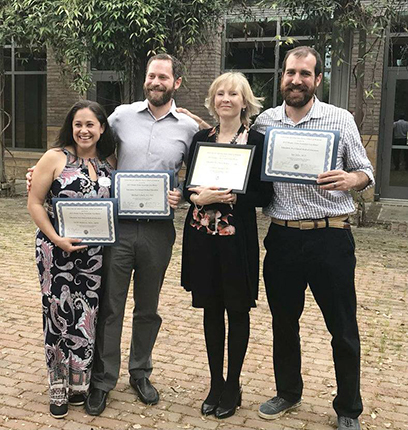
(301, 201)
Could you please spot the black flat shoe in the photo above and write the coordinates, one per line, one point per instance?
(58, 411)
(145, 390)
(96, 402)
(207, 409)
(222, 412)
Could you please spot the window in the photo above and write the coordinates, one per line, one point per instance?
(399, 51)
(257, 49)
(25, 98)
(108, 89)
(398, 48)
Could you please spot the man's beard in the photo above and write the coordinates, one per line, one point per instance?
(158, 99)
(298, 99)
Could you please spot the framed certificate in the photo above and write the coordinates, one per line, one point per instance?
(92, 220)
(143, 194)
(220, 165)
(298, 155)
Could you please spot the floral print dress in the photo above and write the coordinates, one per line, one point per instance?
(70, 286)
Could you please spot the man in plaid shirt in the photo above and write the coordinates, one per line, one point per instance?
(309, 242)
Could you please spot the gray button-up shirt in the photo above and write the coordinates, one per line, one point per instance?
(147, 143)
(400, 129)
(301, 201)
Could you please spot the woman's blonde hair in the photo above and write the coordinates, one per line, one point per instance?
(238, 81)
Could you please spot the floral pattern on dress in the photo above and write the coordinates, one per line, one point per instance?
(70, 287)
(213, 221)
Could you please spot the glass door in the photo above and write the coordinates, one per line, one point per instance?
(394, 178)
(107, 90)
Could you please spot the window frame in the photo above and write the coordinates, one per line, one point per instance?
(13, 73)
(278, 39)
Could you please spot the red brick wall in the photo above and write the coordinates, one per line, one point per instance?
(372, 105)
(202, 67)
(373, 74)
(60, 97)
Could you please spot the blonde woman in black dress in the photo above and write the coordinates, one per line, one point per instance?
(220, 263)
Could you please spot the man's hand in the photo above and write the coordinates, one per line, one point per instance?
(174, 198)
(29, 178)
(201, 123)
(342, 181)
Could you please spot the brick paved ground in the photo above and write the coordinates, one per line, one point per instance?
(180, 362)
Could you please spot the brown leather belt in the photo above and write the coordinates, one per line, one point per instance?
(311, 224)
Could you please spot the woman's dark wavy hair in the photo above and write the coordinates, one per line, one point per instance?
(106, 145)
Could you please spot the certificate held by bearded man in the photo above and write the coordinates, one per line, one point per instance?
(298, 155)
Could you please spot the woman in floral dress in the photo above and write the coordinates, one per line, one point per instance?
(80, 166)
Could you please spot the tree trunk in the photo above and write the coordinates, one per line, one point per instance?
(359, 115)
(360, 69)
(3, 178)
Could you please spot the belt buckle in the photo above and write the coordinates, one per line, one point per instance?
(306, 224)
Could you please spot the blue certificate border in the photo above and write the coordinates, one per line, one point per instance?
(110, 203)
(268, 174)
(166, 175)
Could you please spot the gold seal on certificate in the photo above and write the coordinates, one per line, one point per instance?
(143, 194)
(92, 220)
(221, 165)
(298, 155)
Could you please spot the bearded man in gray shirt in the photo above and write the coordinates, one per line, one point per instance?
(151, 135)
(309, 242)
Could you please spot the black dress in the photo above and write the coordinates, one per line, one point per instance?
(220, 257)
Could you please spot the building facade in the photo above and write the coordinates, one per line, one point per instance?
(38, 98)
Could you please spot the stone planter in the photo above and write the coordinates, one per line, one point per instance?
(7, 189)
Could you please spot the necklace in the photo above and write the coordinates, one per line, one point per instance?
(217, 132)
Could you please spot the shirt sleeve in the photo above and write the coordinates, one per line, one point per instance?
(112, 123)
(259, 193)
(356, 159)
(194, 130)
(260, 123)
(190, 135)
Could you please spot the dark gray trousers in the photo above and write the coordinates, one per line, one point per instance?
(144, 250)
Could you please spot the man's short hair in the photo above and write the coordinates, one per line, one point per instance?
(302, 52)
(176, 64)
